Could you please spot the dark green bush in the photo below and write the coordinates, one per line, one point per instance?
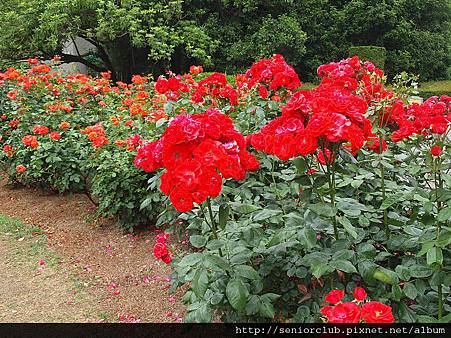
(375, 54)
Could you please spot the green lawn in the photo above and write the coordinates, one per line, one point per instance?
(433, 88)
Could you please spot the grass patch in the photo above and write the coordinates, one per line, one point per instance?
(31, 235)
(435, 88)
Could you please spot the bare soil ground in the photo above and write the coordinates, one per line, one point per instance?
(116, 272)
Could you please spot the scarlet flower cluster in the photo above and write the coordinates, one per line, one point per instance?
(352, 72)
(96, 135)
(215, 86)
(8, 150)
(274, 72)
(355, 311)
(21, 169)
(30, 141)
(160, 249)
(195, 150)
(40, 130)
(431, 117)
(55, 136)
(330, 113)
(194, 70)
(171, 87)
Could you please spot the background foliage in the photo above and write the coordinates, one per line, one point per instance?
(138, 36)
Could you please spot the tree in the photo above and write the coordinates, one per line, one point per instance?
(131, 36)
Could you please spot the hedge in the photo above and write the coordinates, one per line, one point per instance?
(375, 54)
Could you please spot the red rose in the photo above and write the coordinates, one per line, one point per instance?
(162, 238)
(160, 250)
(375, 312)
(55, 136)
(20, 168)
(182, 200)
(344, 313)
(334, 296)
(167, 259)
(263, 92)
(40, 130)
(325, 311)
(359, 294)
(436, 150)
(196, 70)
(161, 85)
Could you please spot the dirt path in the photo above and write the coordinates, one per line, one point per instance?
(38, 293)
(117, 272)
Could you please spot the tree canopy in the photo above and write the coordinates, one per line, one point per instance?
(137, 36)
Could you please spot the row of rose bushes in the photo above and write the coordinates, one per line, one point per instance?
(289, 196)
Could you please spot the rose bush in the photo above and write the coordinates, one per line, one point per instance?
(286, 194)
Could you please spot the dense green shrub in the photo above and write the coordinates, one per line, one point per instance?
(347, 194)
(377, 55)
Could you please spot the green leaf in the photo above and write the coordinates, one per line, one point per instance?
(198, 241)
(265, 214)
(310, 236)
(382, 276)
(426, 319)
(434, 255)
(403, 272)
(160, 122)
(323, 209)
(389, 201)
(406, 315)
(266, 309)
(349, 228)
(245, 208)
(300, 164)
(410, 290)
(246, 271)
(321, 270)
(191, 260)
(223, 215)
(350, 207)
(215, 261)
(200, 283)
(420, 271)
(396, 292)
(444, 239)
(343, 265)
(237, 294)
(444, 215)
(426, 247)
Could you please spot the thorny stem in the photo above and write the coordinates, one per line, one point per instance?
(438, 185)
(213, 224)
(382, 169)
(331, 181)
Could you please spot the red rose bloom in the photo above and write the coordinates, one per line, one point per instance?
(263, 92)
(40, 130)
(160, 250)
(197, 151)
(375, 312)
(20, 168)
(359, 294)
(55, 136)
(344, 313)
(436, 151)
(334, 296)
(181, 199)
